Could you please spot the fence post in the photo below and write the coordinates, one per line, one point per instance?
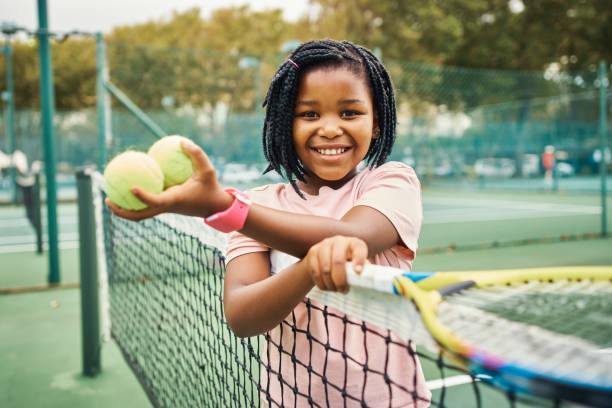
(603, 111)
(90, 320)
(47, 110)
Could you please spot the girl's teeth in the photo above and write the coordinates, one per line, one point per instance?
(330, 152)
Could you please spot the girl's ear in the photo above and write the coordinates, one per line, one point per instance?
(376, 129)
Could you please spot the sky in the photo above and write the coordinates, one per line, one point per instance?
(104, 15)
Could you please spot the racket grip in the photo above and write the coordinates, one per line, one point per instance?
(375, 277)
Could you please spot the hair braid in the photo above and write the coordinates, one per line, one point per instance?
(280, 103)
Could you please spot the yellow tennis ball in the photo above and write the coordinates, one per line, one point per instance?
(175, 164)
(130, 169)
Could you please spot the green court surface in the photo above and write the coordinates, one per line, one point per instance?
(459, 219)
(40, 346)
(453, 218)
(40, 356)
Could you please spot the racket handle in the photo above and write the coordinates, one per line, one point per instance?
(375, 277)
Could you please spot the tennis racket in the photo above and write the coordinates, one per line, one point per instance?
(544, 331)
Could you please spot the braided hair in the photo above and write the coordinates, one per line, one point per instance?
(281, 97)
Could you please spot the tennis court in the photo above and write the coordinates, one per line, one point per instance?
(53, 316)
(453, 218)
(475, 136)
(456, 219)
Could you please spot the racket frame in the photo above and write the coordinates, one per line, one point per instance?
(427, 291)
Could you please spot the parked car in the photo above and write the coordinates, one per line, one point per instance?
(443, 169)
(530, 166)
(495, 167)
(563, 169)
(239, 173)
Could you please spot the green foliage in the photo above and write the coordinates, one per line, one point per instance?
(475, 33)
(198, 58)
(472, 57)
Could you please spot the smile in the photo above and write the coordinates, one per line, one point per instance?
(332, 152)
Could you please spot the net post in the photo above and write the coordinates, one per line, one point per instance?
(90, 316)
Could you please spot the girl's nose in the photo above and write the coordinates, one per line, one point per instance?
(329, 130)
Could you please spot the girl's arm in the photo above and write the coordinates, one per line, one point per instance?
(256, 302)
(296, 233)
(291, 233)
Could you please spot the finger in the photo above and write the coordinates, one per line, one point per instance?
(358, 254)
(129, 214)
(325, 261)
(199, 159)
(315, 269)
(339, 258)
(150, 199)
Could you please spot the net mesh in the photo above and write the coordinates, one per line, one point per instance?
(165, 282)
(167, 317)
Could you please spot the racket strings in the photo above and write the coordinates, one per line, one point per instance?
(563, 306)
(527, 346)
(558, 327)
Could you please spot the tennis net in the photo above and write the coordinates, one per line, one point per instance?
(164, 305)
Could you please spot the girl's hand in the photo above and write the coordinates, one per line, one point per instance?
(199, 196)
(327, 259)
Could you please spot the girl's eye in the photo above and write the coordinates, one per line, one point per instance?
(349, 113)
(308, 114)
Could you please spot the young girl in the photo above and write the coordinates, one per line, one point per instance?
(329, 107)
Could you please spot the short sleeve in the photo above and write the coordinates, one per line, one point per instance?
(394, 190)
(239, 244)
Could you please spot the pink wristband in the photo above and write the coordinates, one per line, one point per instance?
(233, 218)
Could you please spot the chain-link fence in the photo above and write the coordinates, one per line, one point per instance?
(480, 140)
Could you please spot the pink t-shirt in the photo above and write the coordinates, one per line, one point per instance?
(324, 357)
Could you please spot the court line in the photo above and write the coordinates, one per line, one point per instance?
(528, 205)
(10, 249)
(494, 210)
(25, 239)
(433, 218)
(453, 381)
(24, 222)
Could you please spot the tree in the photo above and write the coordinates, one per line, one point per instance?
(195, 60)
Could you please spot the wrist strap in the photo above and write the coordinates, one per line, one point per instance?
(234, 217)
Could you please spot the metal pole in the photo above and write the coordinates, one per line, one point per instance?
(136, 111)
(10, 118)
(37, 215)
(103, 101)
(88, 255)
(603, 85)
(258, 107)
(47, 111)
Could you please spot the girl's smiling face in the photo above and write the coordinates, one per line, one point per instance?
(333, 125)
